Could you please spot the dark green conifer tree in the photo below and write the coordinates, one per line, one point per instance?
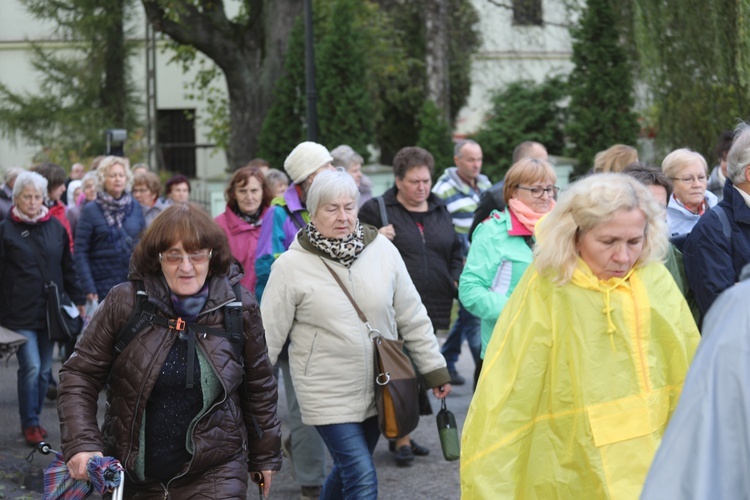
(601, 88)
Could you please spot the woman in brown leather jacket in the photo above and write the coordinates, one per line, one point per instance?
(186, 415)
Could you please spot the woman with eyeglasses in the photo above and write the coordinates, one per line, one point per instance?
(107, 230)
(191, 408)
(690, 198)
(587, 360)
(501, 247)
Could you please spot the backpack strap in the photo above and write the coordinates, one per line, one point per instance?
(724, 221)
(297, 219)
(143, 314)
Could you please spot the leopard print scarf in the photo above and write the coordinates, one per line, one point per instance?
(345, 250)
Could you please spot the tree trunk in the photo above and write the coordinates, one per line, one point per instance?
(437, 55)
(250, 54)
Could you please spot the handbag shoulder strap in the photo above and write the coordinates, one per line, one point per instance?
(383, 212)
(348, 295)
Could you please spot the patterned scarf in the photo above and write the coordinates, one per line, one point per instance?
(252, 219)
(114, 210)
(345, 250)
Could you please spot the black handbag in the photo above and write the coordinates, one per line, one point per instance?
(396, 388)
(448, 432)
(64, 322)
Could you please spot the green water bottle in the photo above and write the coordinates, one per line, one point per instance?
(448, 432)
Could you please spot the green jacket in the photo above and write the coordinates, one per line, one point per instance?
(498, 257)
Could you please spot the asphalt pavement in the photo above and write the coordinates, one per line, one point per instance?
(430, 477)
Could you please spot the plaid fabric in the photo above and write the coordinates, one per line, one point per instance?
(103, 475)
(58, 483)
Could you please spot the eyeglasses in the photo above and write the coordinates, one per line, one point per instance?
(194, 258)
(538, 192)
(689, 180)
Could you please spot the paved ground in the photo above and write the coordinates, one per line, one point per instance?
(430, 477)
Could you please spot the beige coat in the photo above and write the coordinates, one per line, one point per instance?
(331, 356)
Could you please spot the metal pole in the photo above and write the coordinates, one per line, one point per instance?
(312, 113)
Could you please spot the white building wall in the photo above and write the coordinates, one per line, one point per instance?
(508, 53)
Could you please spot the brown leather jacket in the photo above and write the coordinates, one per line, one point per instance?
(226, 429)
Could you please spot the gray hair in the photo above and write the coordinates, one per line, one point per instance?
(33, 179)
(739, 155)
(345, 156)
(460, 144)
(107, 163)
(329, 185)
(11, 173)
(89, 177)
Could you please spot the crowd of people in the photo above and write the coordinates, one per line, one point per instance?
(581, 308)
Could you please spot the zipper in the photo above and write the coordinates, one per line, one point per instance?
(639, 344)
(207, 412)
(140, 396)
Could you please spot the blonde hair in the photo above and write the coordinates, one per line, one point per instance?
(586, 203)
(679, 159)
(107, 163)
(614, 159)
(527, 171)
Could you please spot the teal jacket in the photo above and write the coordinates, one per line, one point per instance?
(498, 257)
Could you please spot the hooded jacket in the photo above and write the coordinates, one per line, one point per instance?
(681, 220)
(578, 384)
(222, 432)
(103, 252)
(713, 262)
(498, 257)
(331, 356)
(432, 255)
(243, 240)
(286, 216)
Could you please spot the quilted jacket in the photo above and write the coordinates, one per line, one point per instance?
(239, 420)
(102, 252)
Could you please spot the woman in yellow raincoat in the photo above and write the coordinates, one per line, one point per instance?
(587, 361)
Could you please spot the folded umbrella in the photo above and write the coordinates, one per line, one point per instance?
(105, 475)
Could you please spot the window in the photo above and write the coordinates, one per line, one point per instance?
(527, 12)
(176, 139)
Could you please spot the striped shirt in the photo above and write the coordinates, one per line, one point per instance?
(461, 200)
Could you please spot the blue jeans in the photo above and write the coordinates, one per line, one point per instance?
(467, 326)
(351, 446)
(34, 365)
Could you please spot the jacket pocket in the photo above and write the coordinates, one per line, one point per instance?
(311, 354)
(626, 433)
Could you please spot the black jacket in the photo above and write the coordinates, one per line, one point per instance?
(22, 292)
(433, 260)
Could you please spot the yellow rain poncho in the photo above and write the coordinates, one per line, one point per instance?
(578, 384)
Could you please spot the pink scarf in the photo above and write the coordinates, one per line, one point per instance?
(525, 215)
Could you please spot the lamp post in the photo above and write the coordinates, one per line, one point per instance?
(312, 113)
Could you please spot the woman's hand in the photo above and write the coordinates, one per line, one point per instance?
(388, 231)
(92, 297)
(441, 391)
(267, 479)
(77, 464)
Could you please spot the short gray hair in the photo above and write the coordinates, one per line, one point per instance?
(739, 155)
(11, 173)
(460, 145)
(27, 178)
(328, 185)
(345, 156)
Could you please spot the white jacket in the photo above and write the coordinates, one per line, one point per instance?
(331, 356)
